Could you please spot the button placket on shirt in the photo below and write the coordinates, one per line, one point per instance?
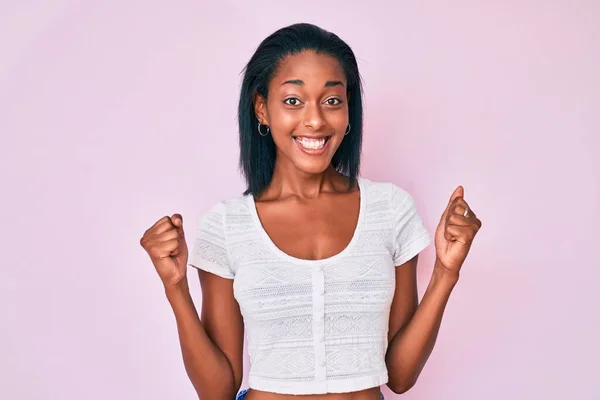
(319, 322)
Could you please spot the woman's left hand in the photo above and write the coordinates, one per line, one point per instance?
(455, 233)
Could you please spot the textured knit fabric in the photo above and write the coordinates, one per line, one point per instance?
(314, 326)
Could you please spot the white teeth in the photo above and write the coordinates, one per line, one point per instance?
(312, 144)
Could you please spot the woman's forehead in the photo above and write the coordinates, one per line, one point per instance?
(309, 67)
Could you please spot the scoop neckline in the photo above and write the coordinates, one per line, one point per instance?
(267, 239)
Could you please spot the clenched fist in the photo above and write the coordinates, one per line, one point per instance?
(165, 244)
(455, 232)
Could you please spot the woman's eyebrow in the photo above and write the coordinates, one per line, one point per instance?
(333, 83)
(301, 83)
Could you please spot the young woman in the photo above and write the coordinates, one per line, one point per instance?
(315, 264)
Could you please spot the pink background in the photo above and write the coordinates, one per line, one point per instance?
(116, 113)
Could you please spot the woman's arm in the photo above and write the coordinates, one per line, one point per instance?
(414, 329)
(212, 347)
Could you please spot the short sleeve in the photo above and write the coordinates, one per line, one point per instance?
(410, 235)
(209, 252)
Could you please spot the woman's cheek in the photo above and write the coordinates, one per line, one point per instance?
(286, 122)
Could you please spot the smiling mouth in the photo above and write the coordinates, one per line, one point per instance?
(312, 143)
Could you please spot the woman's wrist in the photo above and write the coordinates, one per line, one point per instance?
(442, 276)
(178, 289)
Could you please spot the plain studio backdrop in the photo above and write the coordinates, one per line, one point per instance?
(116, 113)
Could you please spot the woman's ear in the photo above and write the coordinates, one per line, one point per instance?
(260, 109)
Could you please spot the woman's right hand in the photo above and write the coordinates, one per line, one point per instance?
(165, 244)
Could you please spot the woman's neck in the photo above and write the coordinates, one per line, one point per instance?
(290, 181)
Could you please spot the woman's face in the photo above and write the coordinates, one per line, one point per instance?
(306, 111)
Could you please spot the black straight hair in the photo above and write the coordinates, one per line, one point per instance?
(257, 153)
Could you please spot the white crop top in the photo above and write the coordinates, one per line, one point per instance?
(314, 326)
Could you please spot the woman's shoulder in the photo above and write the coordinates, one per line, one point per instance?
(385, 188)
(222, 209)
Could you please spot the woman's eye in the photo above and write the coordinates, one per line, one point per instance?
(333, 101)
(292, 101)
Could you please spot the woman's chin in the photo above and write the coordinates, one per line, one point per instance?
(313, 167)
